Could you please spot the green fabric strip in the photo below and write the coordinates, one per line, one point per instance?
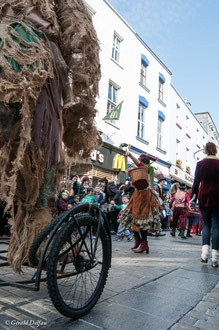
(27, 36)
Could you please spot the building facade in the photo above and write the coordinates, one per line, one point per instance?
(153, 118)
(207, 122)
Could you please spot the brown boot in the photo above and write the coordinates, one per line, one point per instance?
(143, 247)
(138, 241)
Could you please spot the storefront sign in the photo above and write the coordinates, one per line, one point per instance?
(181, 176)
(97, 156)
(108, 159)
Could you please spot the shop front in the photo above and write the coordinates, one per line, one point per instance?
(105, 162)
(179, 175)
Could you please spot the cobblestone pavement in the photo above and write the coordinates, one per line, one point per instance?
(166, 289)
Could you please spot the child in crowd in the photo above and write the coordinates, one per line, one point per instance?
(89, 197)
(76, 200)
(98, 194)
(63, 204)
(122, 230)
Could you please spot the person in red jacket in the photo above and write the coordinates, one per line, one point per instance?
(206, 188)
(63, 204)
(181, 198)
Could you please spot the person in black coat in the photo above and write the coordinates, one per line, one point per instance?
(129, 189)
(112, 193)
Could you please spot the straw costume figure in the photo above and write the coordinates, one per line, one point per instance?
(49, 75)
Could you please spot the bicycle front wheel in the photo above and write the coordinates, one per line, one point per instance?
(77, 268)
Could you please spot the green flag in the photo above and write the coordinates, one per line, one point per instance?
(114, 113)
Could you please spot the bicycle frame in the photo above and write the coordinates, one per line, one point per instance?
(66, 216)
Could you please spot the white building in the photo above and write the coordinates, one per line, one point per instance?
(190, 137)
(154, 118)
(208, 123)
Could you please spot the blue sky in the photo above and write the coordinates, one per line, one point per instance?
(184, 34)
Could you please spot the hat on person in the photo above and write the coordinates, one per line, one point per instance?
(144, 157)
(161, 178)
(159, 175)
(182, 186)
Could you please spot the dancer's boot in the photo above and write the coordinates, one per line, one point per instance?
(138, 241)
(143, 247)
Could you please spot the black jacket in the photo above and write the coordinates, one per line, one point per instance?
(112, 193)
(129, 190)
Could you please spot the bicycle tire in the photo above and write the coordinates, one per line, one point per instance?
(53, 284)
(32, 254)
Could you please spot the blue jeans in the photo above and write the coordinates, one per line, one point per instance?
(210, 216)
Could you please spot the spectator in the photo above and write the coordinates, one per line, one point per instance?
(98, 194)
(181, 199)
(76, 184)
(122, 230)
(76, 200)
(129, 188)
(85, 183)
(89, 197)
(112, 193)
(63, 204)
(206, 188)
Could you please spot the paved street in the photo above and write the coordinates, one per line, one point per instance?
(167, 289)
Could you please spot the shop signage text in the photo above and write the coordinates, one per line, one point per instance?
(96, 156)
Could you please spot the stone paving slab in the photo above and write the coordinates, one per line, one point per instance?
(168, 287)
(205, 315)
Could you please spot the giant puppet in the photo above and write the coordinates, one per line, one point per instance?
(49, 74)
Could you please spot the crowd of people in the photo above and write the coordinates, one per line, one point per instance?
(135, 213)
(132, 213)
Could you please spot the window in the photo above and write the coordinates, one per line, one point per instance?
(162, 80)
(177, 111)
(112, 98)
(159, 132)
(187, 155)
(143, 73)
(141, 121)
(116, 48)
(160, 96)
(177, 148)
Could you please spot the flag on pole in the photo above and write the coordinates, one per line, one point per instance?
(114, 113)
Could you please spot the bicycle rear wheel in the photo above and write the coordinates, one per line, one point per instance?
(76, 273)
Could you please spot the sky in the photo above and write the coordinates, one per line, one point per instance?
(184, 34)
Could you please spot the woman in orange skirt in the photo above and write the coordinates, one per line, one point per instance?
(142, 211)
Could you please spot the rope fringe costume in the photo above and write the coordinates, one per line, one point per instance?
(49, 75)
